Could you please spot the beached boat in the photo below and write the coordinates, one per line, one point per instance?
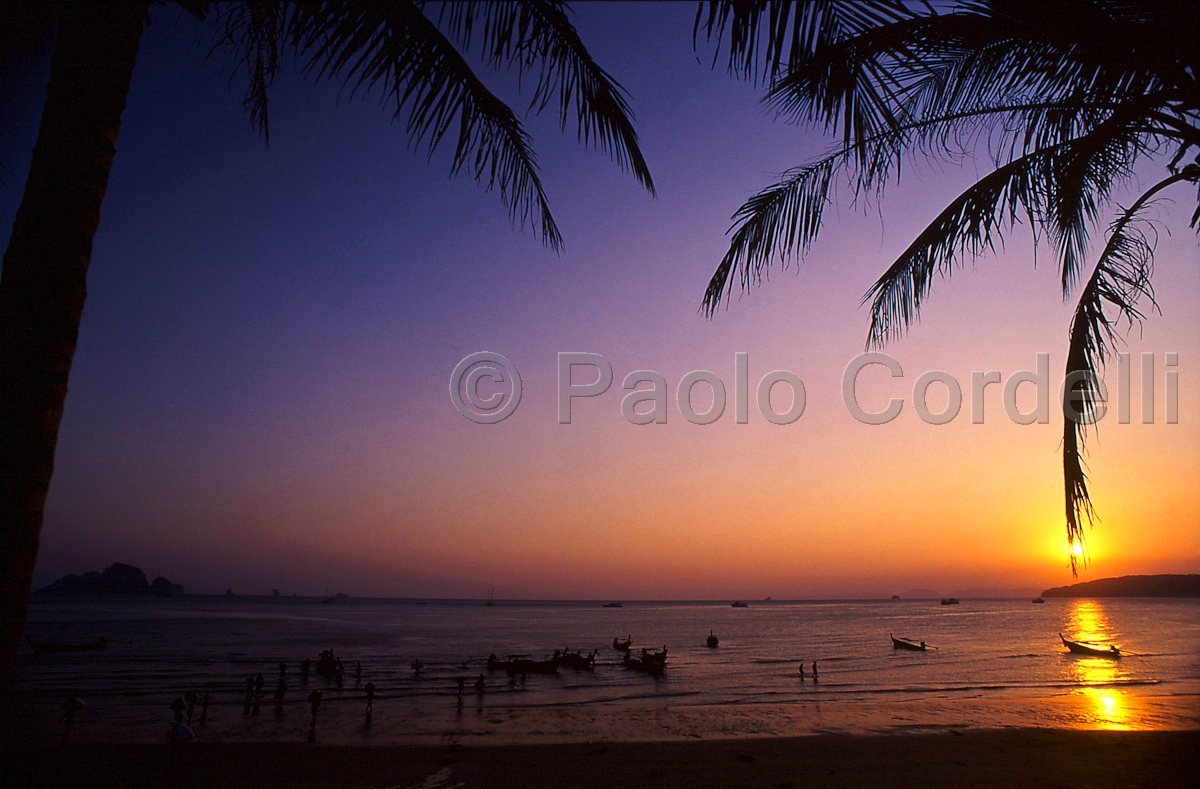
(623, 646)
(50, 647)
(613, 605)
(1037, 600)
(1095, 650)
(522, 664)
(328, 664)
(906, 643)
(739, 604)
(577, 660)
(653, 663)
(949, 601)
(712, 640)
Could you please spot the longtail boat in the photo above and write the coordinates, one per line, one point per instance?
(623, 646)
(653, 663)
(578, 661)
(50, 647)
(521, 664)
(905, 643)
(1079, 648)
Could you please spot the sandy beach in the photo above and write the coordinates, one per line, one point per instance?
(1025, 757)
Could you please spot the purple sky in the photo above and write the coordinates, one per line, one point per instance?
(260, 398)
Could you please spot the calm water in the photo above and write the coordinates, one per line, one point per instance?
(1001, 654)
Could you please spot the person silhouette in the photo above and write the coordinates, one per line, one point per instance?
(69, 708)
(816, 676)
(280, 691)
(802, 671)
(370, 688)
(282, 669)
(204, 706)
(180, 735)
(314, 702)
(357, 673)
(305, 668)
(178, 706)
(259, 684)
(480, 684)
(249, 689)
(191, 698)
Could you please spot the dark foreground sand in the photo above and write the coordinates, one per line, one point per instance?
(974, 758)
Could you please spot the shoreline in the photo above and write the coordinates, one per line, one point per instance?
(972, 758)
(491, 721)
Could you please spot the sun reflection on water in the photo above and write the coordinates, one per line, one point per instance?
(1104, 706)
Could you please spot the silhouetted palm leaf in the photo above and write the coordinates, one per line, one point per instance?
(1068, 96)
(403, 57)
(761, 31)
(1120, 281)
(535, 35)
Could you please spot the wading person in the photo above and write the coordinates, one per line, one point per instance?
(69, 708)
(314, 701)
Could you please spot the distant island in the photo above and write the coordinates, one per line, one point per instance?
(117, 579)
(1132, 586)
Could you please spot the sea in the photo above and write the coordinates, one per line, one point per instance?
(989, 663)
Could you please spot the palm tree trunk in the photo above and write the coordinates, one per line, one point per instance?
(44, 280)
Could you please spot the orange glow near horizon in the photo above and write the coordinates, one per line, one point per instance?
(260, 395)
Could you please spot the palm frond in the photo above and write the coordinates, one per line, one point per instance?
(781, 220)
(395, 50)
(537, 36)
(1067, 96)
(252, 35)
(1033, 186)
(767, 38)
(1120, 280)
(978, 54)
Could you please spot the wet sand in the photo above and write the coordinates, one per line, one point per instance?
(972, 758)
(493, 720)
